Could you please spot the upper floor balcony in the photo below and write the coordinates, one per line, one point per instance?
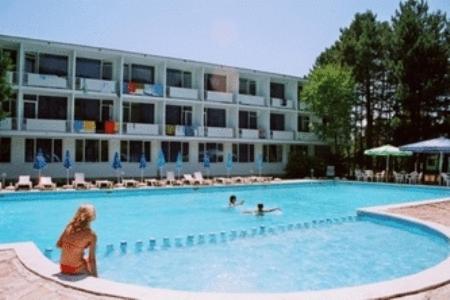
(8, 124)
(45, 80)
(182, 93)
(282, 103)
(46, 125)
(141, 129)
(306, 136)
(96, 85)
(143, 89)
(217, 132)
(219, 96)
(282, 135)
(251, 100)
(12, 77)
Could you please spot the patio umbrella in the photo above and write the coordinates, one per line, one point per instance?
(142, 165)
(68, 164)
(206, 162)
(179, 164)
(259, 164)
(116, 165)
(161, 162)
(229, 164)
(439, 146)
(388, 151)
(39, 162)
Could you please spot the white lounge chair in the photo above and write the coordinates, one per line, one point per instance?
(445, 179)
(368, 175)
(330, 172)
(103, 184)
(412, 177)
(187, 178)
(398, 177)
(45, 183)
(24, 182)
(380, 176)
(359, 175)
(129, 183)
(199, 177)
(151, 181)
(170, 178)
(79, 181)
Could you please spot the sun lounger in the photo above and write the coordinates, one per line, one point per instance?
(103, 184)
(199, 177)
(129, 183)
(223, 180)
(80, 182)
(445, 179)
(188, 179)
(24, 182)
(151, 181)
(45, 183)
(170, 179)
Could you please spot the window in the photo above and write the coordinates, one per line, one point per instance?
(301, 149)
(215, 152)
(247, 86)
(88, 68)
(107, 70)
(303, 123)
(171, 149)
(214, 82)
(9, 106)
(53, 64)
(243, 153)
(45, 107)
(91, 151)
(138, 113)
(247, 119)
(276, 121)
(215, 117)
(51, 149)
(5, 150)
(178, 78)
(139, 74)
(131, 151)
(178, 115)
(277, 90)
(30, 63)
(299, 90)
(93, 110)
(272, 153)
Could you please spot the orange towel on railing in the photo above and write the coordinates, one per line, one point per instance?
(89, 126)
(110, 127)
(131, 87)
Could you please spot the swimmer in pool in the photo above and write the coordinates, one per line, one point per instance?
(232, 201)
(260, 210)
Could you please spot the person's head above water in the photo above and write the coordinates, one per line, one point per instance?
(260, 206)
(82, 219)
(232, 199)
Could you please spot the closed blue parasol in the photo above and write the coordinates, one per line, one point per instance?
(39, 162)
(179, 163)
(259, 163)
(161, 162)
(229, 163)
(116, 165)
(68, 164)
(142, 165)
(206, 162)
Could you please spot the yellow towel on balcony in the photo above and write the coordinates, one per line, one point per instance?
(89, 126)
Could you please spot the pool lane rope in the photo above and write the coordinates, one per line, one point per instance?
(191, 240)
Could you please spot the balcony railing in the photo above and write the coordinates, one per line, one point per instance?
(45, 80)
(248, 133)
(219, 132)
(219, 96)
(96, 85)
(182, 130)
(282, 103)
(11, 77)
(91, 126)
(183, 93)
(251, 100)
(45, 125)
(133, 88)
(306, 136)
(282, 135)
(141, 128)
(8, 124)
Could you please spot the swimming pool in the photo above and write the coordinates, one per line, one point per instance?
(340, 251)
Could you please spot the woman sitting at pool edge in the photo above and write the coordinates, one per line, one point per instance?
(260, 210)
(77, 237)
(232, 201)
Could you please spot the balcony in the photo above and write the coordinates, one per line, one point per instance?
(45, 125)
(141, 89)
(249, 133)
(251, 100)
(141, 128)
(217, 132)
(44, 80)
(306, 136)
(182, 130)
(282, 103)
(6, 124)
(282, 135)
(96, 85)
(11, 77)
(183, 93)
(219, 96)
(90, 126)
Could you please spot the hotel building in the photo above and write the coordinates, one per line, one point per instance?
(95, 102)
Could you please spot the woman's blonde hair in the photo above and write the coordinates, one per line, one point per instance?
(82, 219)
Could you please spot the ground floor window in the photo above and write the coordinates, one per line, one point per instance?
(91, 151)
(300, 149)
(243, 153)
(272, 153)
(51, 149)
(214, 150)
(171, 149)
(131, 151)
(5, 150)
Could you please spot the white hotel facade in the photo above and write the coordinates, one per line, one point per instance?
(95, 102)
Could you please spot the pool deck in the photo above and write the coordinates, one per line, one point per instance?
(26, 274)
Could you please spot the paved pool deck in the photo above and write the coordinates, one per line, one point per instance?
(19, 278)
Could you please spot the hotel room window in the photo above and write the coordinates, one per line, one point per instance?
(214, 150)
(52, 108)
(131, 151)
(138, 113)
(214, 82)
(277, 90)
(51, 149)
(178, 115)
(5, 150)
(139, 74)
(53, 64)
(91, 151)
(243, 153)
(247, 119)
(178, 78)
(272, 153)
(171, 149)
(303, 123)
(214, 117)
(30, 63)
(9, 106)
(247, 86)
(277, 122)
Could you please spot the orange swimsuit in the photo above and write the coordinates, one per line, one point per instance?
(66, 269)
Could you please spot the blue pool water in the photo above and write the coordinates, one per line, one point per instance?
(325, 256)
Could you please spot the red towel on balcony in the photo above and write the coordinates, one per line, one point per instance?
(132, 87)
(110, 127)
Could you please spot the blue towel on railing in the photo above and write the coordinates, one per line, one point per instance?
(77, 125)
(189, 131)
(155, 90)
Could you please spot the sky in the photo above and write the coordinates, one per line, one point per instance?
(281, 36)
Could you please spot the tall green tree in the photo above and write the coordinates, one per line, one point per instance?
(420, 62)
(5, 86)
(330, 93)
